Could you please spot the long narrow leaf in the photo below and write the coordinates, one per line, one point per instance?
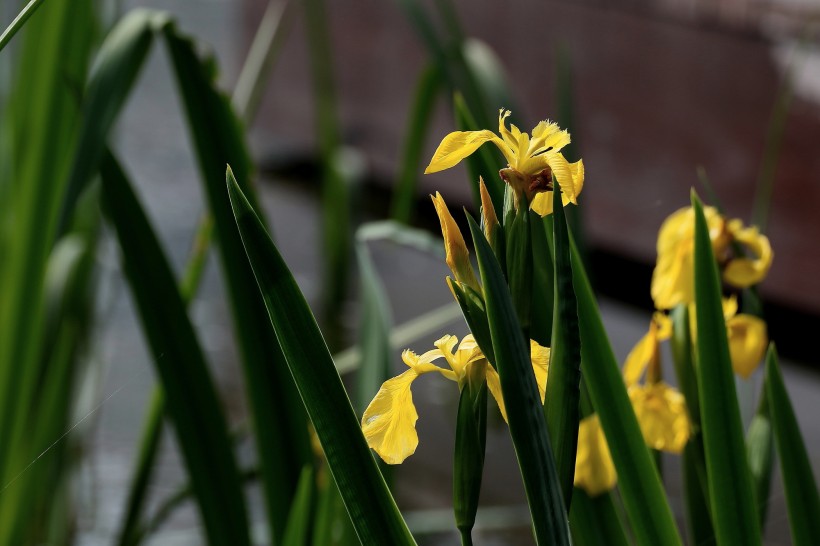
(563, 386)
(190, 396)
(278, 417)
(798, 479)
(365, 494)
(525, 413)
(18, 22)
(730, 488)
(643, 496)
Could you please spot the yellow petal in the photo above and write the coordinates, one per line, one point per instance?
(562, 172)
(729, 306)
(494, 385)
(594, 470)
(747, 343)
(540, 366)
(744, 272)
(639, 357)
(661, 413)
(542, 202)
(460, 144)
(389, 422)
(456, 254)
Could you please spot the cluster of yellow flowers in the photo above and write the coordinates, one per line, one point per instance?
(389, 421)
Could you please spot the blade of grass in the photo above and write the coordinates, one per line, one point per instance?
(595, 521)
(18, 22)
(798, 479)
(298, 524)
(642, 493)
(543, 296)
(365, 494)
(192, 402)
(277, 414)
(563, 384)
(734, 514)
(427, 89)
(374, 336)
(525, 413)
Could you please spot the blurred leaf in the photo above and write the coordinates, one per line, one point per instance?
(374, 337)
(641, 490)
(734, 514)
(563, 384)
(542, 283)
(525, 413)
(192, 402)
(277, 412)
(595, 521)
(798, 479)
(404, 196)
(760, 454)
(368, 501)
(483, 163)
(297, 528)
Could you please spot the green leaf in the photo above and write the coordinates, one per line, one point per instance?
(734, 514)
(404, 194)
(297, 528)
(543, 295)
(365, 494)
(528, 427)
(798, 479)
(191, 400)
(374, 336)
(563, 395)
(18, 22)
(278, 417)
(760, 454)
(595, 521)
(641, 490)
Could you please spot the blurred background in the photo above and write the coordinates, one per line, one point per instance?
(659, 96)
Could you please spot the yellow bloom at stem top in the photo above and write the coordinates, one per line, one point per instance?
(389, 422)
(532, 162)
(673, 277)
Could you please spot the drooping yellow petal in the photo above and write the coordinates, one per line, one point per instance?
(647, 349)
(745, 272)
(494, 385)
(661, 413)
(389, 422)
(594, 470)
(456, 254)
(540, 366)
(460, 144)
(747, 343)
(542, 202)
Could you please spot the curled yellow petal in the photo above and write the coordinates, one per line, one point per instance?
(458, 145)
(389, 422)
(542, 202)
(745, 272)
(747, 343)
(494, 386)
(594, 470)
(661, 413)
(540, 366)
(457, 255)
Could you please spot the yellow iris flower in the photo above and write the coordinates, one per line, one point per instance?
(594, 470)
(532, 162)
(673, 277)
(660, 408)
(747, 334)
(389, 422)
